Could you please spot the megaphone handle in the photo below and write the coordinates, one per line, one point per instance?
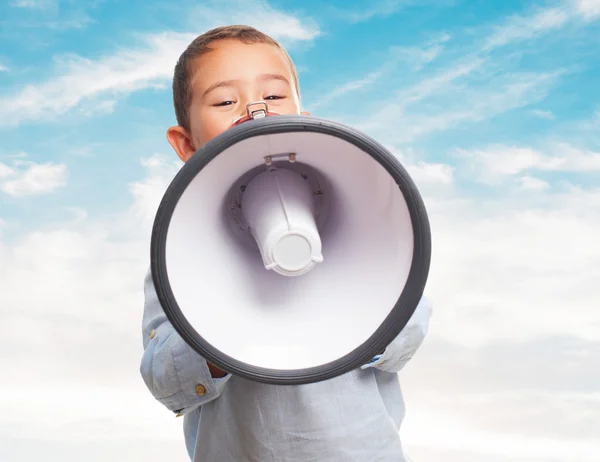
(252, 114)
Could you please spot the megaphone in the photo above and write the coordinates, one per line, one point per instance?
(290, 249)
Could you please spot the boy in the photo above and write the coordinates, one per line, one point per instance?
(354, 417)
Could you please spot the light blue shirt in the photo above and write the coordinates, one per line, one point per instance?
(354, 417)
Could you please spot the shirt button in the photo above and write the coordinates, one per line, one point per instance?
(152, 333)
(200, 389)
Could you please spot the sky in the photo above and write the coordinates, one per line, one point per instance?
(494, 109)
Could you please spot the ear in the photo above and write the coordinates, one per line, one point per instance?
(181, 142)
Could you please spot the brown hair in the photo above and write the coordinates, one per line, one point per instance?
(182, 89)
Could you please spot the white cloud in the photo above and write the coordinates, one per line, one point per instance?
(348, 87)
(503, 271)
(478, 85)
(34, 4)
(451, 104)
(495, 162)
(83, 80)
(79, 329)
(93, 85)
(448, 435)
(31, 178)
(416, 57)
(82, 412)
(540, 21)
(543, 114)
(434, 175)
(49, 14)
(148, 192)
(506, 268)
(522, 27)
(531, 183)
(542, 390)
(5, 171)
(439, 83)
(282, 26)
(383, 8)
(588, 9)
(504, 160)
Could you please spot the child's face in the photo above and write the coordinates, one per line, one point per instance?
(227, 78)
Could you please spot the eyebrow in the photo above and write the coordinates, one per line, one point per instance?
(280, 77)
(230, 83)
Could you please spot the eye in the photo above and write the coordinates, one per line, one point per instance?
(224, 103)
(273, 97)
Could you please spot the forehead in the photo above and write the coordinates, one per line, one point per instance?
(234, 60)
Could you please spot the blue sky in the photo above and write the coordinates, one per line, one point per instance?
(385, 51)
(494, 107)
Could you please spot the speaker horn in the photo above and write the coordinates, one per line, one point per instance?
(290, 249)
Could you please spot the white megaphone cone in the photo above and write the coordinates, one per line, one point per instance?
(297, 196)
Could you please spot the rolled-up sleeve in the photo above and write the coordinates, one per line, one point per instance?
(405, 345)
(176, 375)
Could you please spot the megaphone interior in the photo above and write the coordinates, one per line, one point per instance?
(290, 249)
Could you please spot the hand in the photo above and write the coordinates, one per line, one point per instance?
(215, 372)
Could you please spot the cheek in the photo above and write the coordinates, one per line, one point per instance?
(217, 125)
(290, 106)
(210, 127)
(282, 107)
